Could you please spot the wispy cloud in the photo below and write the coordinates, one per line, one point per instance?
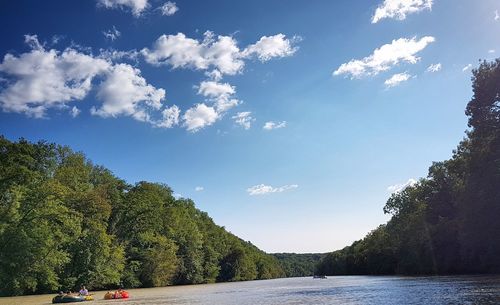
(399, 9)
(262, 189)
(168, 8)
(497, 16)
(434, 68)
(274, 125)
(244, 119)
(467, 67)
(112, 34)
(136, 6)
(385, 57)
(397, 79)
(199, 188)
(396, 188)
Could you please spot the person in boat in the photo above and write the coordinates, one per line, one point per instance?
(118, 293)
(84, 291)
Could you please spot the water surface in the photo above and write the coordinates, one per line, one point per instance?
(376, 290)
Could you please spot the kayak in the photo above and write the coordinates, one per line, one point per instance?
(67, 299)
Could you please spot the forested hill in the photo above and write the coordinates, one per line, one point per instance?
(448, 222)
(298, 264)
(65, 222)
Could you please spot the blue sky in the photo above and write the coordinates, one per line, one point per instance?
(289, 122)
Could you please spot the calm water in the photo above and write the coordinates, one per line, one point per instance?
(334, 290)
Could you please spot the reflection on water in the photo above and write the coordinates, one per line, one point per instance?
(377, 290)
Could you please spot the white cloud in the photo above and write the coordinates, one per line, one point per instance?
(221, 94)
(269, 47)
(32, 42)
(497, 16)
(126, 92)
(220, 53)
(199, 116)
(434, 67)
(385, 57)
(467, 67)
(136, 6)
(43, 79)
(398, 9)
(49, 79)
(400, 187)
(199, 188)
(75, 111)
(168, 8)
(170, 117)
(274, 125)
(112, 34)
(262, 189)
(397, 79)
(491, 51)
(180, 51)
(244, 119)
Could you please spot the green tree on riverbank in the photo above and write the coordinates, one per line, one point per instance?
(65, 222)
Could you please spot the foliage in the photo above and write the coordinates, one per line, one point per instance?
(298, 265)
(65, 222)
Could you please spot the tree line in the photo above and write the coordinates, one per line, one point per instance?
(448, 222)
(298, 264)
(65, 222)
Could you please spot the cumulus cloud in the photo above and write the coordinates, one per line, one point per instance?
(126, 92)
(199, 116)
(43, 79)
(170, 117)
(385, 57)
(398, 9)
(136, 6)
(396, 188)
(221, 94)
(434, 67)
(168, 8)
(274, 125)
(396, 79)
(244, 119)
(269, 47)
(220, 53)
(112, 34)
(467, 67)
(262, 189)
(199, 188)
(179, 51)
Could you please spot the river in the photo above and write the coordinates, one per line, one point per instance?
(376, 290)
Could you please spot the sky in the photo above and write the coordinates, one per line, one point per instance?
(289, 122)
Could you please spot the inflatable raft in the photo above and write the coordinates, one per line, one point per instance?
(68, 299)
(123, 294)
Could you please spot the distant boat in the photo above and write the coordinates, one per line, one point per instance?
(319, 276)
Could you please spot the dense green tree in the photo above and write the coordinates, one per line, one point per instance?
(65, 222)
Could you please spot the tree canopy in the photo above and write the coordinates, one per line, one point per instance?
(65, 222)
